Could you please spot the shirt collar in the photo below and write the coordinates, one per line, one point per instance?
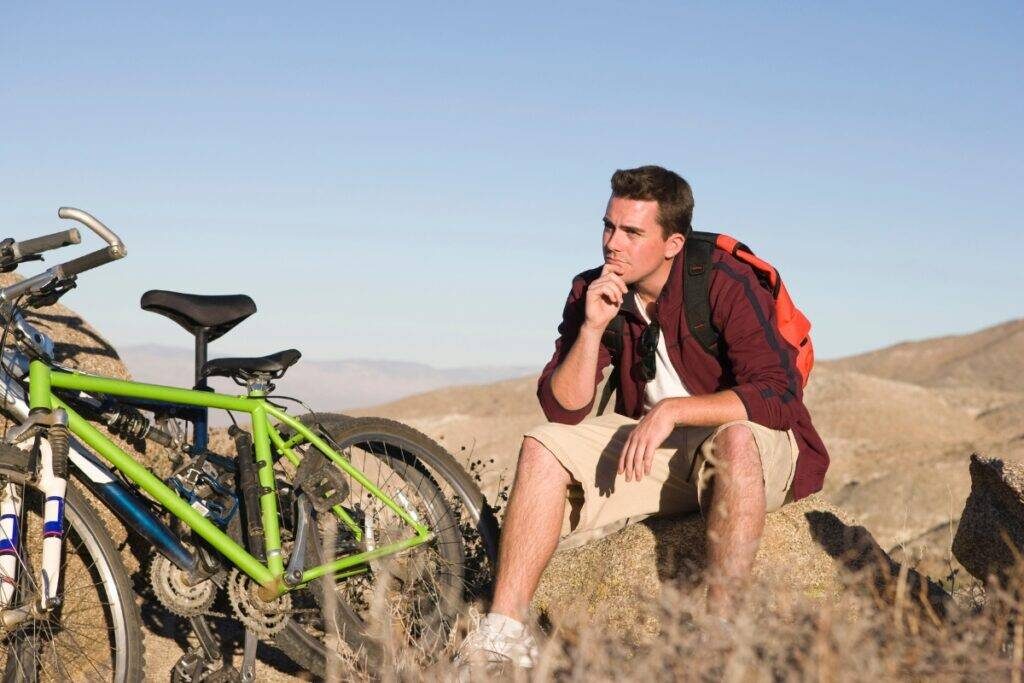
(671, 297)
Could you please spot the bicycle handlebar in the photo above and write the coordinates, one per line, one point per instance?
(114, 250)
(37, 245)
(93, 224)
(95, 259)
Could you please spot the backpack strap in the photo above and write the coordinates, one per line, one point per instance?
(612, 340)
(697, 286)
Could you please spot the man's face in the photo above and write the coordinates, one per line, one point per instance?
(633, 239)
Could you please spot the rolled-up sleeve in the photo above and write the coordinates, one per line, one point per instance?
(763, 363)
(573, 316)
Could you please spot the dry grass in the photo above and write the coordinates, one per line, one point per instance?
(888, 631)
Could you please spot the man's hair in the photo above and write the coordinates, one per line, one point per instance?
(654, 183)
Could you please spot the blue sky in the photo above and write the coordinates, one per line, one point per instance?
(406, 183)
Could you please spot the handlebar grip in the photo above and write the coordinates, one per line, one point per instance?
(37, 245)
(91, 260)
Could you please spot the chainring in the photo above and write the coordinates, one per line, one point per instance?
(171, 588)
(265, 619)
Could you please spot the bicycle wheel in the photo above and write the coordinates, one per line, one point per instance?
(96, 633)
(424, 588)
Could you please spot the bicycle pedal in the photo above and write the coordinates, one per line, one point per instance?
(323, 483)
(192, 665)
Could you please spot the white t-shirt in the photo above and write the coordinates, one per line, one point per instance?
(666, 382)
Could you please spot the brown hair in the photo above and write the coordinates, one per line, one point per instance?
(654, 183)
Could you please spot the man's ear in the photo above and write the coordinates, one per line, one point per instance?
(674, 245)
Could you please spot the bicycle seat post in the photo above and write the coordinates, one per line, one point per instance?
(206, 317)
(202, 434)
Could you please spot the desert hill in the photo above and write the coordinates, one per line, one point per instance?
(992, 358)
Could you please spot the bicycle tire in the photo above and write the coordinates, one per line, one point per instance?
(424, 461)
(113, 623)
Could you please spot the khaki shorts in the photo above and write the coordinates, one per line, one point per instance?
(601, 501)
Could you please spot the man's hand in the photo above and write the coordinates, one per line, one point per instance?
(637, 456)
(604, 296)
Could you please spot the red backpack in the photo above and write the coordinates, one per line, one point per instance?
(793, 325)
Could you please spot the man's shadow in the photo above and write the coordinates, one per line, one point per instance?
(682, 557)
(861, 555)
(681, 550)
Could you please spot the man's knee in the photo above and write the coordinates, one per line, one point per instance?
(732, 471)
(733, 461)
(735, 445)
(536, 459)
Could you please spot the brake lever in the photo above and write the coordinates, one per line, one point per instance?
(51, 293)
(8, 261)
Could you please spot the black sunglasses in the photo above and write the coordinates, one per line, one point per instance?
(649, 352)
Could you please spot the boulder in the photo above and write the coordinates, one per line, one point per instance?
(76, 343)
(989, 540)
(810, 549)
(79, 346)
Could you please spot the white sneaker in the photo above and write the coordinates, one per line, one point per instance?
(495, 642)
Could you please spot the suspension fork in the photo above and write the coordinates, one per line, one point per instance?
(10, 531)
(53, 477)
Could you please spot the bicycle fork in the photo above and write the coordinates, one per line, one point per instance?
(53, 442)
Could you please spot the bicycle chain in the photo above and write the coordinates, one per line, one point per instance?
(265, 619)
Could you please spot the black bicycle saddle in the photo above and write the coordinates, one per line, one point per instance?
(217, 314)
(243, 368)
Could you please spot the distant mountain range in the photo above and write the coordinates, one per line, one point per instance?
(325, 385)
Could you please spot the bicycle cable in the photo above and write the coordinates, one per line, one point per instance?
(309, 411)
(8, 369)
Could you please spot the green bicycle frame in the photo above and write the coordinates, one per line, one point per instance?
(43, 380)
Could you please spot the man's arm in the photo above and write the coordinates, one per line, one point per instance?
(709, 410)
(574, 381)
(763, 363)
(567, 385)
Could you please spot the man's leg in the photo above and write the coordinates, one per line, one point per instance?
(533, 523)
(736, 519)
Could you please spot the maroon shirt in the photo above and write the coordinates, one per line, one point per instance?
(755, 361)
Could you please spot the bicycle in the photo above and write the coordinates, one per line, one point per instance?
(312, 511)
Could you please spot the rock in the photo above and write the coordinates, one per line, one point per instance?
(79, 346)
(809, 549)
(990, 537)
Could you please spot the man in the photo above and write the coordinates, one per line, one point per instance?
(727, 434)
